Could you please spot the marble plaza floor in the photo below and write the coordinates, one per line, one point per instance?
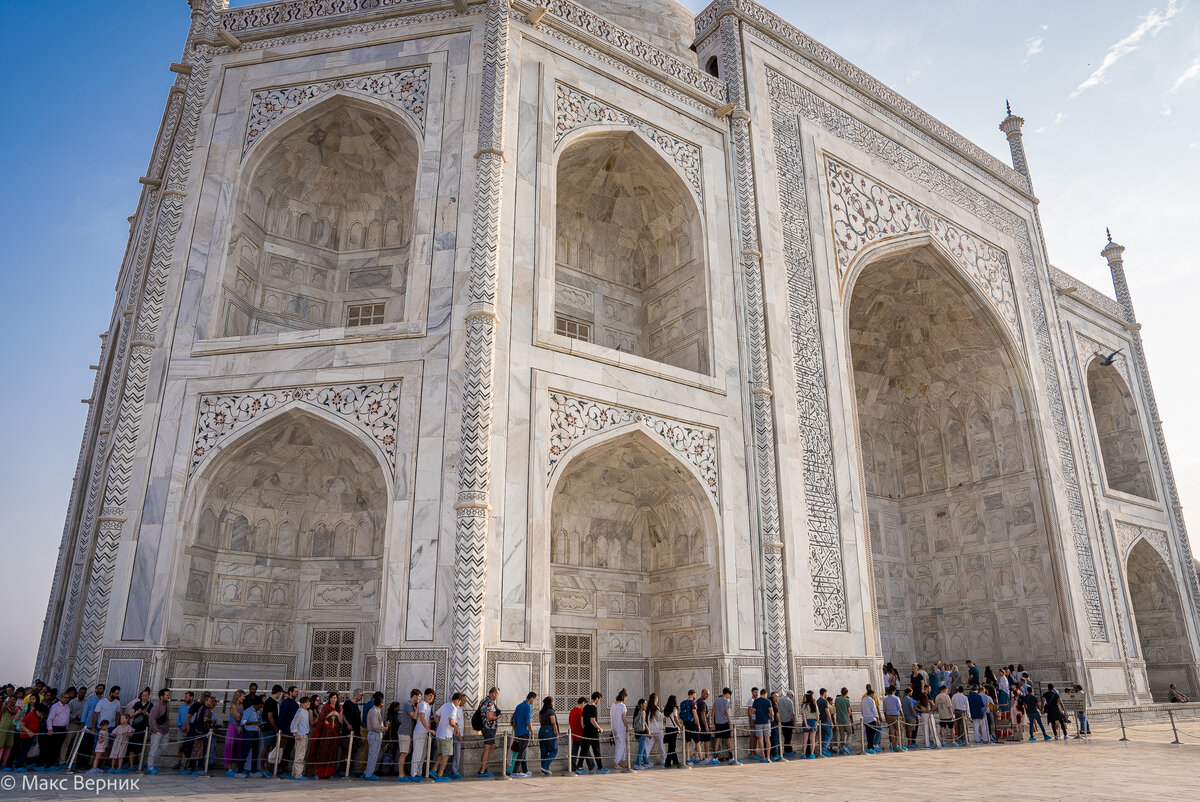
(1101, 768)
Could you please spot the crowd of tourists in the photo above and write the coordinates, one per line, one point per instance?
(301, 736)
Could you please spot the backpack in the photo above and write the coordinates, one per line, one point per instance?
(477, 719)
(686, 709)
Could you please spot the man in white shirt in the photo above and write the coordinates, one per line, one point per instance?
(449, 725)
(108, 709)
(422, 732)
(616, 718)
(962, 713)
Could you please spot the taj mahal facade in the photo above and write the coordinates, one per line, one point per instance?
(568, 346)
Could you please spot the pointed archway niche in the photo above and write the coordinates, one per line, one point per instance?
(629, 260)
(323, 229)
(1122, 446)
(283, 565)
(961, 555)
(1158, 617)
(633, 581)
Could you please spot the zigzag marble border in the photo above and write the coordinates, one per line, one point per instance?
(406, 90)
(371, 408)
(573, 420)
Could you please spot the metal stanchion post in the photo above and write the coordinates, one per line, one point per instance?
(207, 751)
(75, 752)
(504, 775)
(1120, 718)
(627, 761)
(1174, 731)
(278, 754)
(142, 753)
(349, 754)
(733, 745)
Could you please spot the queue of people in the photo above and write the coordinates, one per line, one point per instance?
(312, 736)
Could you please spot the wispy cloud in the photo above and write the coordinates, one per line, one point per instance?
(1150, 25)
(1185, 76)
(1059, 117)
(1034, 46)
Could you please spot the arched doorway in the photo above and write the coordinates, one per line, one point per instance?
(633, 582)
(323, 228)
(629, 261)
(1158, 618)
(1122, 446)
(284, 563)
(955, 510)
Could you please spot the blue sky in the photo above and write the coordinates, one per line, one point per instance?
(1110, 92)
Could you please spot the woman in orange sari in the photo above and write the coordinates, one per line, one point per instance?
(325, 744)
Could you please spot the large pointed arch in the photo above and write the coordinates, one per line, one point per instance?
(964, 547)
(633, 581)
(1159, 621)
(270, 573)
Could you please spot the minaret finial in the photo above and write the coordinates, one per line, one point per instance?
(1108, 232)
(1008, 106)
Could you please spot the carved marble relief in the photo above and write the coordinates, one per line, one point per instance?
(572, 420)
(406, 90)
(372, 408)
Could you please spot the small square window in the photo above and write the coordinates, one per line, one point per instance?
(575, 329)
(365, 314)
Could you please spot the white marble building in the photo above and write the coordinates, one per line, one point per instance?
(568, 346)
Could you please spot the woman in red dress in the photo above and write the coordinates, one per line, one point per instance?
(325, 744)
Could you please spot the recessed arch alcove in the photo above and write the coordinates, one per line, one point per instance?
(286, 543)
(629, 256)
(323, 226)
(633, 577)
(961, 553)
(1159, 620)
(1118, 426)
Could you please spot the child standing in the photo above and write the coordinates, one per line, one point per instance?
(120, 744)
(101, 747)
(301, 725)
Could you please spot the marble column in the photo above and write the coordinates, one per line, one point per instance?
(765, 473)
(472, 510)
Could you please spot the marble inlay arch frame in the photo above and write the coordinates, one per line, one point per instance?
(792, 103)
(577, 113)
(404, 90)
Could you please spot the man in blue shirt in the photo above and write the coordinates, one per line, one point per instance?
(764, 715)
(977, 703)
(972, 674)
(287, 710)
(522, 717)
(85, 718)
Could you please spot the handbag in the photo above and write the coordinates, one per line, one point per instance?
(35, 751)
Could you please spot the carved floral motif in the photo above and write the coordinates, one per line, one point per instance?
(373, 408)
(865, 211)
(574, 419)
(406, 89)
(573, 109)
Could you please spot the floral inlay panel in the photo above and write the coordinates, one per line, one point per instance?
(865, 211)
(406, 90)
(573, 420)
(573, 109)
(373, 408)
